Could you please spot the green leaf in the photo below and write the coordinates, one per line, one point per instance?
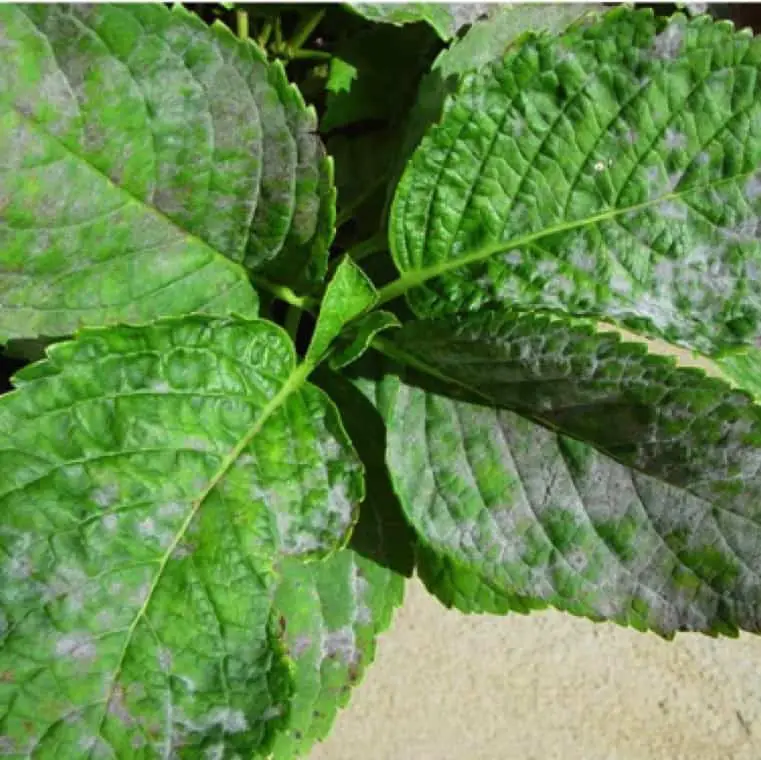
(457, 586)
(348, 294)
(169, 467)
(490, 38)
(445, 18)
(519, 515)
(580, 378)
(743, 369)
(611, 171)
(341, 76)
(365, 330)
(146, 160)
(514, 516)
(331, 613)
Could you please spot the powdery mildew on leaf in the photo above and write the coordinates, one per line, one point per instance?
(331, 613)
(143, 158)
(667, 222)
(656, 527)
(121, 590)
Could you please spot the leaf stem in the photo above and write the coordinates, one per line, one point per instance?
(284, 293)
(278, 35)
(292, 321)
(241, 21)
(264, 35)
(309, 55)
(303, 30)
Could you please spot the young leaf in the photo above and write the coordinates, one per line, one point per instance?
(744, 370)
(365, 330)
(145, 157)
(516, 516)
(348, 294)
(599, 173)
(331, 613)
(445, 18)
(150, 479)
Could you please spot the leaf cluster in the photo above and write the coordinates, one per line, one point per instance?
(300, 300)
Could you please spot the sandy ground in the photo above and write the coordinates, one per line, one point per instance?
(446, 686)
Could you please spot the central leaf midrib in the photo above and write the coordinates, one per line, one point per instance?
(412, 278)
(297, 377)
(157, 212)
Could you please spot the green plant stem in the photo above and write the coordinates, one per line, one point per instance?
(241, 20)
(264, 35)
(305, 303)
(292, 321)
(278, 34)
(303, 31)
(309, 55)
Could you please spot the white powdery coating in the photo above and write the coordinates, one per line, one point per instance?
(78, 646)
(342, 644)
(106, 496)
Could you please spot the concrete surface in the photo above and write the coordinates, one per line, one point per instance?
(446, 686)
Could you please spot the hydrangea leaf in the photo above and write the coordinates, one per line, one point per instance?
(349, 293)
(654, 525)
(608, 171)
(152, 477)
(446, 18)
(147, 162)
(743, 368)
(331, 613)
(515, 517)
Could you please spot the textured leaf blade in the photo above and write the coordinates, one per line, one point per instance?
(490, 38)
(170, 467)
(514, 517)
(445, 18)
(145, 157)
(331, 613)
(579, 378)
(348, 294)
(599, 173)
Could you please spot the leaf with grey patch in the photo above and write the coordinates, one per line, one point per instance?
(170, 468)
(330, 614)
(596, 173)
(512, 516)
(148, 163)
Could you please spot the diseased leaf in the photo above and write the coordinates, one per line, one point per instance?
(348, 294)
(467, 590)
(445, 18)
(364, 331)
(146, 160)
(331, 613)
(610, 171)
(743, 369)
(150, 480)
(515, 516)
(490, 38)
(675, 423)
